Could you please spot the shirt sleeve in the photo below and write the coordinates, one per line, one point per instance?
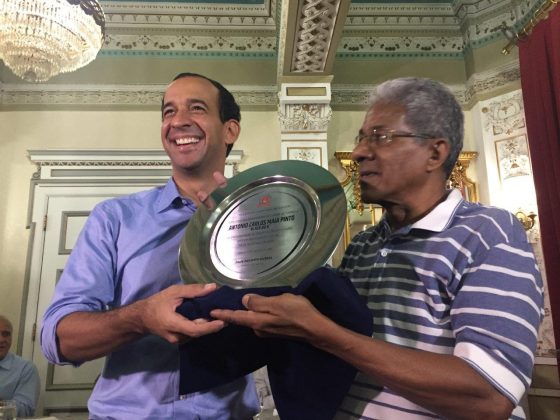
(496, 314)
(27, 391)
(88, 281)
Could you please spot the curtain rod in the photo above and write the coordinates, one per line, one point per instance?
(540, 14)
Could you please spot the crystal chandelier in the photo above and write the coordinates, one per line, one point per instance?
(42, 38)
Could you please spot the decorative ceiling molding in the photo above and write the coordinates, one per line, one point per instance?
(478, 86)
(401, 46)
(51, 95)
(370, 29)
(23, 96)
(396, 13)
(192, 15)
(314, 33)
(282, 34)
(485, 83)
(184, 45)
(460, 23)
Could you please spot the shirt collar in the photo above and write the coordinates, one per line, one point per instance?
(440, 217)
(6, 362)
(170, 195)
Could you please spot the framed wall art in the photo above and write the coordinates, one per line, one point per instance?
(512, 155)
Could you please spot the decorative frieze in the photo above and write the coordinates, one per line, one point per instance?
(74, 164)
(372, 46)
(305, 117)
(479, 85)
(465, 24)
(121, 95)
(304, 114)
(207, 45)
(179, 14)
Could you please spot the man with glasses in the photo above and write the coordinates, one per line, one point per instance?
(453, 286)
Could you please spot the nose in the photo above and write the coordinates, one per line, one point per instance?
(361, 152)
(181, 118)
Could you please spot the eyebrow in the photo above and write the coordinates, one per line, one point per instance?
(189, 102)
(375, 127)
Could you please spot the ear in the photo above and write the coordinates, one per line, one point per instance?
(233, 129)
(439, 151)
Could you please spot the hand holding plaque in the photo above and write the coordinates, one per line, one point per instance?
(272, 225)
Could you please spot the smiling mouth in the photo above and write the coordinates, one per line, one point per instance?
(187, 140)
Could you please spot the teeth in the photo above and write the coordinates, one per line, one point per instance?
(187, 140)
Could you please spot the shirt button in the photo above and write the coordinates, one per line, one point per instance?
(384, 252)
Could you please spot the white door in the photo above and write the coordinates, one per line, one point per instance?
(65, 388)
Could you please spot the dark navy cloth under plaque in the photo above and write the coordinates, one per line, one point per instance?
(305, 382)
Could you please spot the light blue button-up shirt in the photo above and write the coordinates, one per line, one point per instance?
(128, 250)
(19, 381)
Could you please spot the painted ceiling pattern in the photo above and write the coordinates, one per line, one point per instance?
(302, 36)
(371, 28)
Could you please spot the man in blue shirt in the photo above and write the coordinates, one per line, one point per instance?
(453, 287)
(119, 290)
(19, 379)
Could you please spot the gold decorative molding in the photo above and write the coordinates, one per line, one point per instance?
(350, 168)
(459, 179)
(526, 219)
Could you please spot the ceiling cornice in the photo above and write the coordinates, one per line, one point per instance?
(51, 96)
(175, 15)
(305, 32)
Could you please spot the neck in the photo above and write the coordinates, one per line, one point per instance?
(403, 214)
(190, 186)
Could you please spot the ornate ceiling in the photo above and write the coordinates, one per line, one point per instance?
(258, 44)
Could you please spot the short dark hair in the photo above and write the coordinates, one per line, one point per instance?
(228, 107)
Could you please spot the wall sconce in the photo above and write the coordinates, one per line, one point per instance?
(527, 220)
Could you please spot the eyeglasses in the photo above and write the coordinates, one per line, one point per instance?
(379, 138)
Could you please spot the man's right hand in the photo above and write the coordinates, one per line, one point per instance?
(84, 336)
(159, 317)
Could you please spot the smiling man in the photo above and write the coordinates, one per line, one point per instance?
(19, 379)
(453, 287)
(119, 290)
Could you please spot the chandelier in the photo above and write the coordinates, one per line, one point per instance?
(42, 38)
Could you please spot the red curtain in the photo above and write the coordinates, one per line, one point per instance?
(539, 58)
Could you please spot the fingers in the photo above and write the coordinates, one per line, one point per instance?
(200, 327)
(158, 314)
(220, 179)
(272, 304)
(253, 320)
(192, 290)
(205, 197)
(206, 200)
(186, 330)
(255, 302)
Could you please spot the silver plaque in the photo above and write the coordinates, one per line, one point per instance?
(272, 225)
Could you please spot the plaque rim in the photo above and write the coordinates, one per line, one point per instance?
(195, 263)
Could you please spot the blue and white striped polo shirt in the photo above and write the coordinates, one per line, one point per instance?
(462, 280)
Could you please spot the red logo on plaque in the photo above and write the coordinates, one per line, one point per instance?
(264, 201)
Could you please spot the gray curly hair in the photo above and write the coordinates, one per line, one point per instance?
(430, 109)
